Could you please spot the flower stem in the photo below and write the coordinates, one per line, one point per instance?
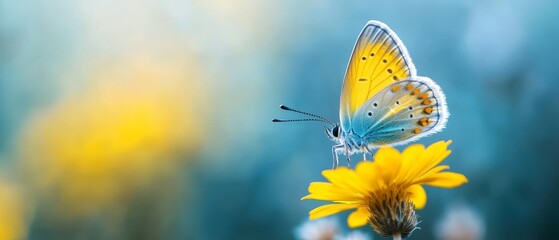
(397, 236)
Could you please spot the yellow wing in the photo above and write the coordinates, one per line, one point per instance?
(379, 59)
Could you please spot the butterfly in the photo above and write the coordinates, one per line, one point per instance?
(383, 101)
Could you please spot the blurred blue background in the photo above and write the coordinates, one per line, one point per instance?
(151, 119)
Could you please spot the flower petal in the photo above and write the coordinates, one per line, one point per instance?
(389, 161)
(418, 196)
(365, 169)
(444, 180)
(432, 172)
(358, 218)
(330, 209)
(369, 174)
(431, 157)
(410, 157)
(331, 192)
(436, 153)
(411, 152)
(345, 178)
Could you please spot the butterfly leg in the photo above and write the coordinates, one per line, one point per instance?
(364, 149)
(335, 160)
(370, 151)
(348, 158)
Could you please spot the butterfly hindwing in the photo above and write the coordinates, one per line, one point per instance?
(402, 112)
(379, 59)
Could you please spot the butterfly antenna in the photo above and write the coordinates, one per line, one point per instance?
(316, 119)
(298, 120)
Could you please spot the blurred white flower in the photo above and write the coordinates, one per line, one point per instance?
(326, 229)
(322, 229)
(460, 223)
(355, 235)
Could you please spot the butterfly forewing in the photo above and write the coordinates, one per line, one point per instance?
(379, 59)
(401, 112)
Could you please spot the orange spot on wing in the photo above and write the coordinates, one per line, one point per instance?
(409, 87)
(417, 130)
(395, 88)
(423, 96)
(428, 110)
(426, 102)
(415, 91)
(423, 122)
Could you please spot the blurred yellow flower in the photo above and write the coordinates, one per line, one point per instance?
(12, 213)
(129, 132)
(384, 193)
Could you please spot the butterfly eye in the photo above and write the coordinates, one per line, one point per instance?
(335, 131)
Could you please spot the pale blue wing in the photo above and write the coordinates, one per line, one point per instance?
(402, 112)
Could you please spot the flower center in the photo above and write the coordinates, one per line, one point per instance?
(392, 212)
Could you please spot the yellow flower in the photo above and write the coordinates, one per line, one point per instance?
(384, 193)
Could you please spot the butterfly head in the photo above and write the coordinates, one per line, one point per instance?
(333, 133)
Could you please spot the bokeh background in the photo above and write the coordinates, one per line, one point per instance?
(150, 119)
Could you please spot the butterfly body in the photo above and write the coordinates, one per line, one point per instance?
(383, 101)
